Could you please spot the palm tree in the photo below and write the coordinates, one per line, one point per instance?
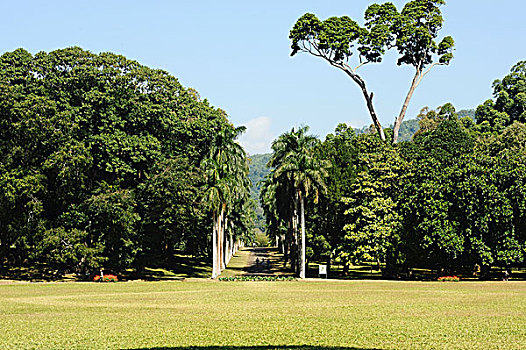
(226, 168)
(298, 172)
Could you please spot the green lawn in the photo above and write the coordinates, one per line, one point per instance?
(263, 315)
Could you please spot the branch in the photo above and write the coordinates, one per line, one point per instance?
(361, 64)
(429, 69)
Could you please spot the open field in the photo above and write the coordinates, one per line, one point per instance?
(263, 315)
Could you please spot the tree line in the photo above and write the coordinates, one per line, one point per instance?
(105, 162)
(453, 197)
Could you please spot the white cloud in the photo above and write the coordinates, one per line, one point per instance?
(258, 137)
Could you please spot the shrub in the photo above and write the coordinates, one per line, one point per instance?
(449, 279)
(105, 278)
(256, 278)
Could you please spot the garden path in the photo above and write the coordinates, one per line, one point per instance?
(259, 261)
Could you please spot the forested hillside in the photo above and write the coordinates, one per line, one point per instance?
(409, 127)
(105, 162)
(257, 172)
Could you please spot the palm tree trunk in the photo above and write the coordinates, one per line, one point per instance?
(214, 245)
(232, 248)
(225, 245)
(222, 240)
(302, 257)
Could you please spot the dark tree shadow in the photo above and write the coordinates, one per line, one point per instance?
(257, 347)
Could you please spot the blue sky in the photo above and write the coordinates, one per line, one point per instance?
(237, 55)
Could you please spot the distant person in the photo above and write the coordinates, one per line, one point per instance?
(257, 261)
(505, 275)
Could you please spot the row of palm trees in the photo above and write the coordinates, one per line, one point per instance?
(226, 168)
(296, 173)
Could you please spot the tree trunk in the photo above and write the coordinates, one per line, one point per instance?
(294, 244)
(302, 257)
(287, 242)
(400, 118)
(328, 266)
(214, 246)
(372, 112)
(226, 241)
(368, 99)
(222, 240)
(232, 248)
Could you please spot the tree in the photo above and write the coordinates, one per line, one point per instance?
(227, 174)
(372, 216)
(171, 211)
(300, 173)
(100, 159)
(327, 218)
(412, 32)
(429, 199)
(510, 101)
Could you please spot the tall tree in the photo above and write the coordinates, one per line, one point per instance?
(412, 32)
(510, 101)
(373, 220)
(297, 167)
(227, 173)
(100, 155)
(327, 218)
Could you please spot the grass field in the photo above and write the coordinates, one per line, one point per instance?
(205, 314)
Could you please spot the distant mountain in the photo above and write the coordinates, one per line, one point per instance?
(410, 126)
(257, 172)
(467, 113)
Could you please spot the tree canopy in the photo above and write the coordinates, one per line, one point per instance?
(450, 199)
(510, 101)
(101, 162)
(411, 31)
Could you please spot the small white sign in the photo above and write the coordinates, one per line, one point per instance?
(322, 269)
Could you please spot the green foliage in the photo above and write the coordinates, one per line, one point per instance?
(69, 250)
(509, 104)
(328, 219)
(171, 210)
(461, 205)
(261, 239)
(100, 159)
(257, 172)
(412, 32)
(373, 218)
(415, 30)
(297, 172)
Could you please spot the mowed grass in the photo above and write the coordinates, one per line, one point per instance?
(264, 315)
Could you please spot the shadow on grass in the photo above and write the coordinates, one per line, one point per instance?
(258, 347)
(34, 273)
(178, 268)
(269, 263)
(371, 272)
(355, 273)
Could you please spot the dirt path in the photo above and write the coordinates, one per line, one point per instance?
(257, 262)
(264, 261)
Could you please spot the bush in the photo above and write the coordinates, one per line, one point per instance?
(256, 278)
(105, 278)
(448, 279)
